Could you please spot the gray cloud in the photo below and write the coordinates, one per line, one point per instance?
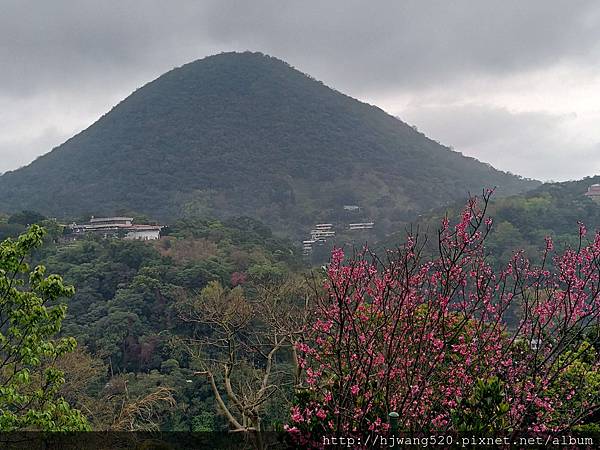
(407, 43)
(15, 151)
(353, 42)
(71, 60)
(532, 141)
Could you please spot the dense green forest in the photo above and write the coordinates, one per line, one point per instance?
(523, 221)
(125, 318)
(246, 134)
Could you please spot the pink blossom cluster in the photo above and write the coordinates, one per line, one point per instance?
(413, 334)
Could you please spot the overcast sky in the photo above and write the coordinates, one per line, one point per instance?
(515, 83)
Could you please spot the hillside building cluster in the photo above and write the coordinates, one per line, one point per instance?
(318, 236)
(322, 232)
(120, 227)
(593, 192)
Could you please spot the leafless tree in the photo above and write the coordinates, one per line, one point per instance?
(245, 346)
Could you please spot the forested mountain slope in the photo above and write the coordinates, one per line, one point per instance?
(246, 134)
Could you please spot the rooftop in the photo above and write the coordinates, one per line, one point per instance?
(110, 219)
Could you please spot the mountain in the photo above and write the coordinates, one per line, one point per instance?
(247, 134)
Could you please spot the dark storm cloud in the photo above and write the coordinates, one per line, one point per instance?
(378, 45)
(71, 60)
(355, 43)
(66, 44)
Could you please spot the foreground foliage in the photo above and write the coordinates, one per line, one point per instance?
(212, 328)
(30, 317)
(428, 338)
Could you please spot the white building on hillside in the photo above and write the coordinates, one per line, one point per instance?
(593, 192)
(361, 226)
(122, 227)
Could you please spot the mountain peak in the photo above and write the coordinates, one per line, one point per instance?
(247, 134)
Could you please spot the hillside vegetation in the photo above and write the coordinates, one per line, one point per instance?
(522, 222)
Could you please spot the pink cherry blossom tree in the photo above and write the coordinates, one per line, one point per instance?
(415, 334)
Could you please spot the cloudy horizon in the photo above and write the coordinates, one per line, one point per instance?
(515, 85)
